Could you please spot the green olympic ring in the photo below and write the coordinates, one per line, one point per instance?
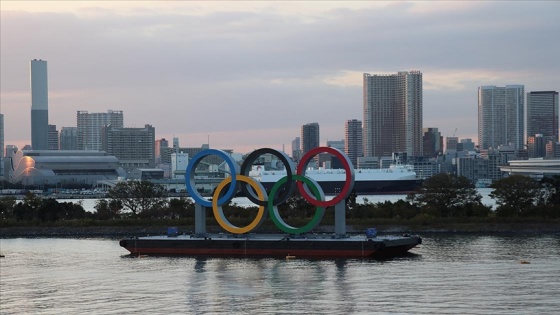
(275, 216)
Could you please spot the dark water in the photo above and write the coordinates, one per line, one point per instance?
(452, 274)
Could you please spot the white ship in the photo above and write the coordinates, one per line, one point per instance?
(397, 178)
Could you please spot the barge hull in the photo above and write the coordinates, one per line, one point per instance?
(282, 247)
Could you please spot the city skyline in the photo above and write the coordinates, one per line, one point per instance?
(259, 71)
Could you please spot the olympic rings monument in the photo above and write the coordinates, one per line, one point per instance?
(291, 241)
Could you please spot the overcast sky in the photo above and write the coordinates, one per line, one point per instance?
(247, 75)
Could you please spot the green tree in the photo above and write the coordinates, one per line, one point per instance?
(138, 196)
(108, 209)
(27, 209)
(444, 195)
(180, 208)
(515, 195)
(7, 207)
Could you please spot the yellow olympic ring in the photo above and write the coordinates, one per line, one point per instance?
(219, 213)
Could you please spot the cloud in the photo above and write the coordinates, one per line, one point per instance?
(234, 70)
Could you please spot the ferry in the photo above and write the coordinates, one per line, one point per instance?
(397, 179)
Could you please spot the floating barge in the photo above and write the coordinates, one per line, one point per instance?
(297, 242)
(272, 245)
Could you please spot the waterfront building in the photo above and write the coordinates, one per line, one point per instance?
(535, 168)
(309, 137)
(392, 114)
(353, 140)
(53, 138)
(501, 116)
(39, 105)
(134, 147)
(542, 114)
(89, 127)
(68, 138)
(61, 167)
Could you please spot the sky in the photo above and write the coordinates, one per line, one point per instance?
(247, 75)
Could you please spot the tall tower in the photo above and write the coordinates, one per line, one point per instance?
(501, 116)
(392, 110)
(353, 143)
(39, 105)
(309, 137)
(542, 114)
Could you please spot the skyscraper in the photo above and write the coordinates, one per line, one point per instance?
(39, 105)
(500, 116)
(353, 143)
(392, 112)
(309, 137)
(542, 114)
(89, 127)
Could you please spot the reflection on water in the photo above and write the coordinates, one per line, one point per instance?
(459, 274)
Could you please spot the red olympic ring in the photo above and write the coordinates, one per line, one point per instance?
(348, 185)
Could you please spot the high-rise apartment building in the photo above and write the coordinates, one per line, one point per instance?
(392, 109)
(89, 127)
(39, 105)
(53, 138)
(309, 137)
(134, 147)
(501, 116)
(353, 140)
(68, 138)
(542, 114)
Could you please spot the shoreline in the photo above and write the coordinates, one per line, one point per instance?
(383, 229)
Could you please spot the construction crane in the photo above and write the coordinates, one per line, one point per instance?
(454, 132)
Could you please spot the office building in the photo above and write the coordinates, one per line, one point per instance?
(39, 105)
(68, 138)
(432, 142)
(134, 147)
(542, 114)
(536, 145)
(309, 137)
(89, 127)
(392, 114)
(501, 116)
(353, 140)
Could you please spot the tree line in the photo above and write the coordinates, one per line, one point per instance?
(440, 196)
